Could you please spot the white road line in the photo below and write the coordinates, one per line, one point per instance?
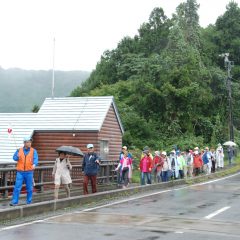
(152, 194)
(217, 212)
(216, 180)
(118, 202)
(20, 225)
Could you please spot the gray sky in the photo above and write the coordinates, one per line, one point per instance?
(83, 29)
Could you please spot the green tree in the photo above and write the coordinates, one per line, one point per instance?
(167, 80)
(153, 34)
(35, 108)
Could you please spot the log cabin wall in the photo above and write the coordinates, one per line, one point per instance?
(46, 142)
(111, 134)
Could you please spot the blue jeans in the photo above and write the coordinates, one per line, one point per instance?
(119, 177)
(165, 176)
(27, 177)
(143, 175)
(159, 174)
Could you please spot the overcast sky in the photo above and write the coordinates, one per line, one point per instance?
(83, 29)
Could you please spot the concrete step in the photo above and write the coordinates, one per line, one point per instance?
(75, 190)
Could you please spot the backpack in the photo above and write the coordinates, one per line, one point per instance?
(205, 158)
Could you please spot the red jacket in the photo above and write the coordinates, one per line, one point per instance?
(149, 163)
(158, 163)
(197, 161)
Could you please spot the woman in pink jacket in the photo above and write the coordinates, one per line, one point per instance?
(125, 164)
(146, 167)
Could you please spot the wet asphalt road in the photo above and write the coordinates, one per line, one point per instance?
(203, 211)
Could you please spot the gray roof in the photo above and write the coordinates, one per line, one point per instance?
(68, 113)
(21, 125)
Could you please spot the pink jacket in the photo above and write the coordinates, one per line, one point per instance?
(128, 159)
(149, 163)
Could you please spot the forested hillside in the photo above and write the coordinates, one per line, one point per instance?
(21, 89)
(169, 81)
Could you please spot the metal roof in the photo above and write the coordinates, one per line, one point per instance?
(68, 113)
(21, 125)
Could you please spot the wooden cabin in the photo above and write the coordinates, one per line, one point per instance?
(74, 121)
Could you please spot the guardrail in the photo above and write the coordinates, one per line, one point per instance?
(43, 175)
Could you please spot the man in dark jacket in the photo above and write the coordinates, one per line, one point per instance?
(90, 168)
(230, 152)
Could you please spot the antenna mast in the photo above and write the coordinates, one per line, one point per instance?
(53, 83)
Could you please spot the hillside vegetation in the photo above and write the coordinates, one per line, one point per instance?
(21, 89)
(169, 82)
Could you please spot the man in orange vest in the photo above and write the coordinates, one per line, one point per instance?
(27, 160)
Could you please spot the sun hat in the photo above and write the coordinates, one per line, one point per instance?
(146, 148)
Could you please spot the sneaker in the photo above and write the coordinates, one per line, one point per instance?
(12, 204)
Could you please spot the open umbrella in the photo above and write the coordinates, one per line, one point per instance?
(230, 143)
(70, 150)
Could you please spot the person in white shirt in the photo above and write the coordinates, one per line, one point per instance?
(220, 157)
(61, 174)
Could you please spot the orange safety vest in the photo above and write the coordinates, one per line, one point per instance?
(25, 162)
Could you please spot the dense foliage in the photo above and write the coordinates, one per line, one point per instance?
(169, 82)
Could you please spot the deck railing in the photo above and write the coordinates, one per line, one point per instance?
(43, 175)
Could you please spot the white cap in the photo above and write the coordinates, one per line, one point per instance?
(27, 139)
(164, 153)
(90, 145)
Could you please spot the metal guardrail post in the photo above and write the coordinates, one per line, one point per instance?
(113, 172)
(5, 179)
(107, 173)
(41, 174)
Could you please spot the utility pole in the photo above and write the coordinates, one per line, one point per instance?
(53, 69)
(228, 65)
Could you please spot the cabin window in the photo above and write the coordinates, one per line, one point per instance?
(104, 149)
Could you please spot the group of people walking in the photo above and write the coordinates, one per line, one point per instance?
(179, 164)
(158, 168)
(161, 167)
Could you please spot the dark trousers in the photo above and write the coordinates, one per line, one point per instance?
(93, 180)
(181, 174)
(119, 177)
(197, 171)
(125, 176)
(213, 166)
